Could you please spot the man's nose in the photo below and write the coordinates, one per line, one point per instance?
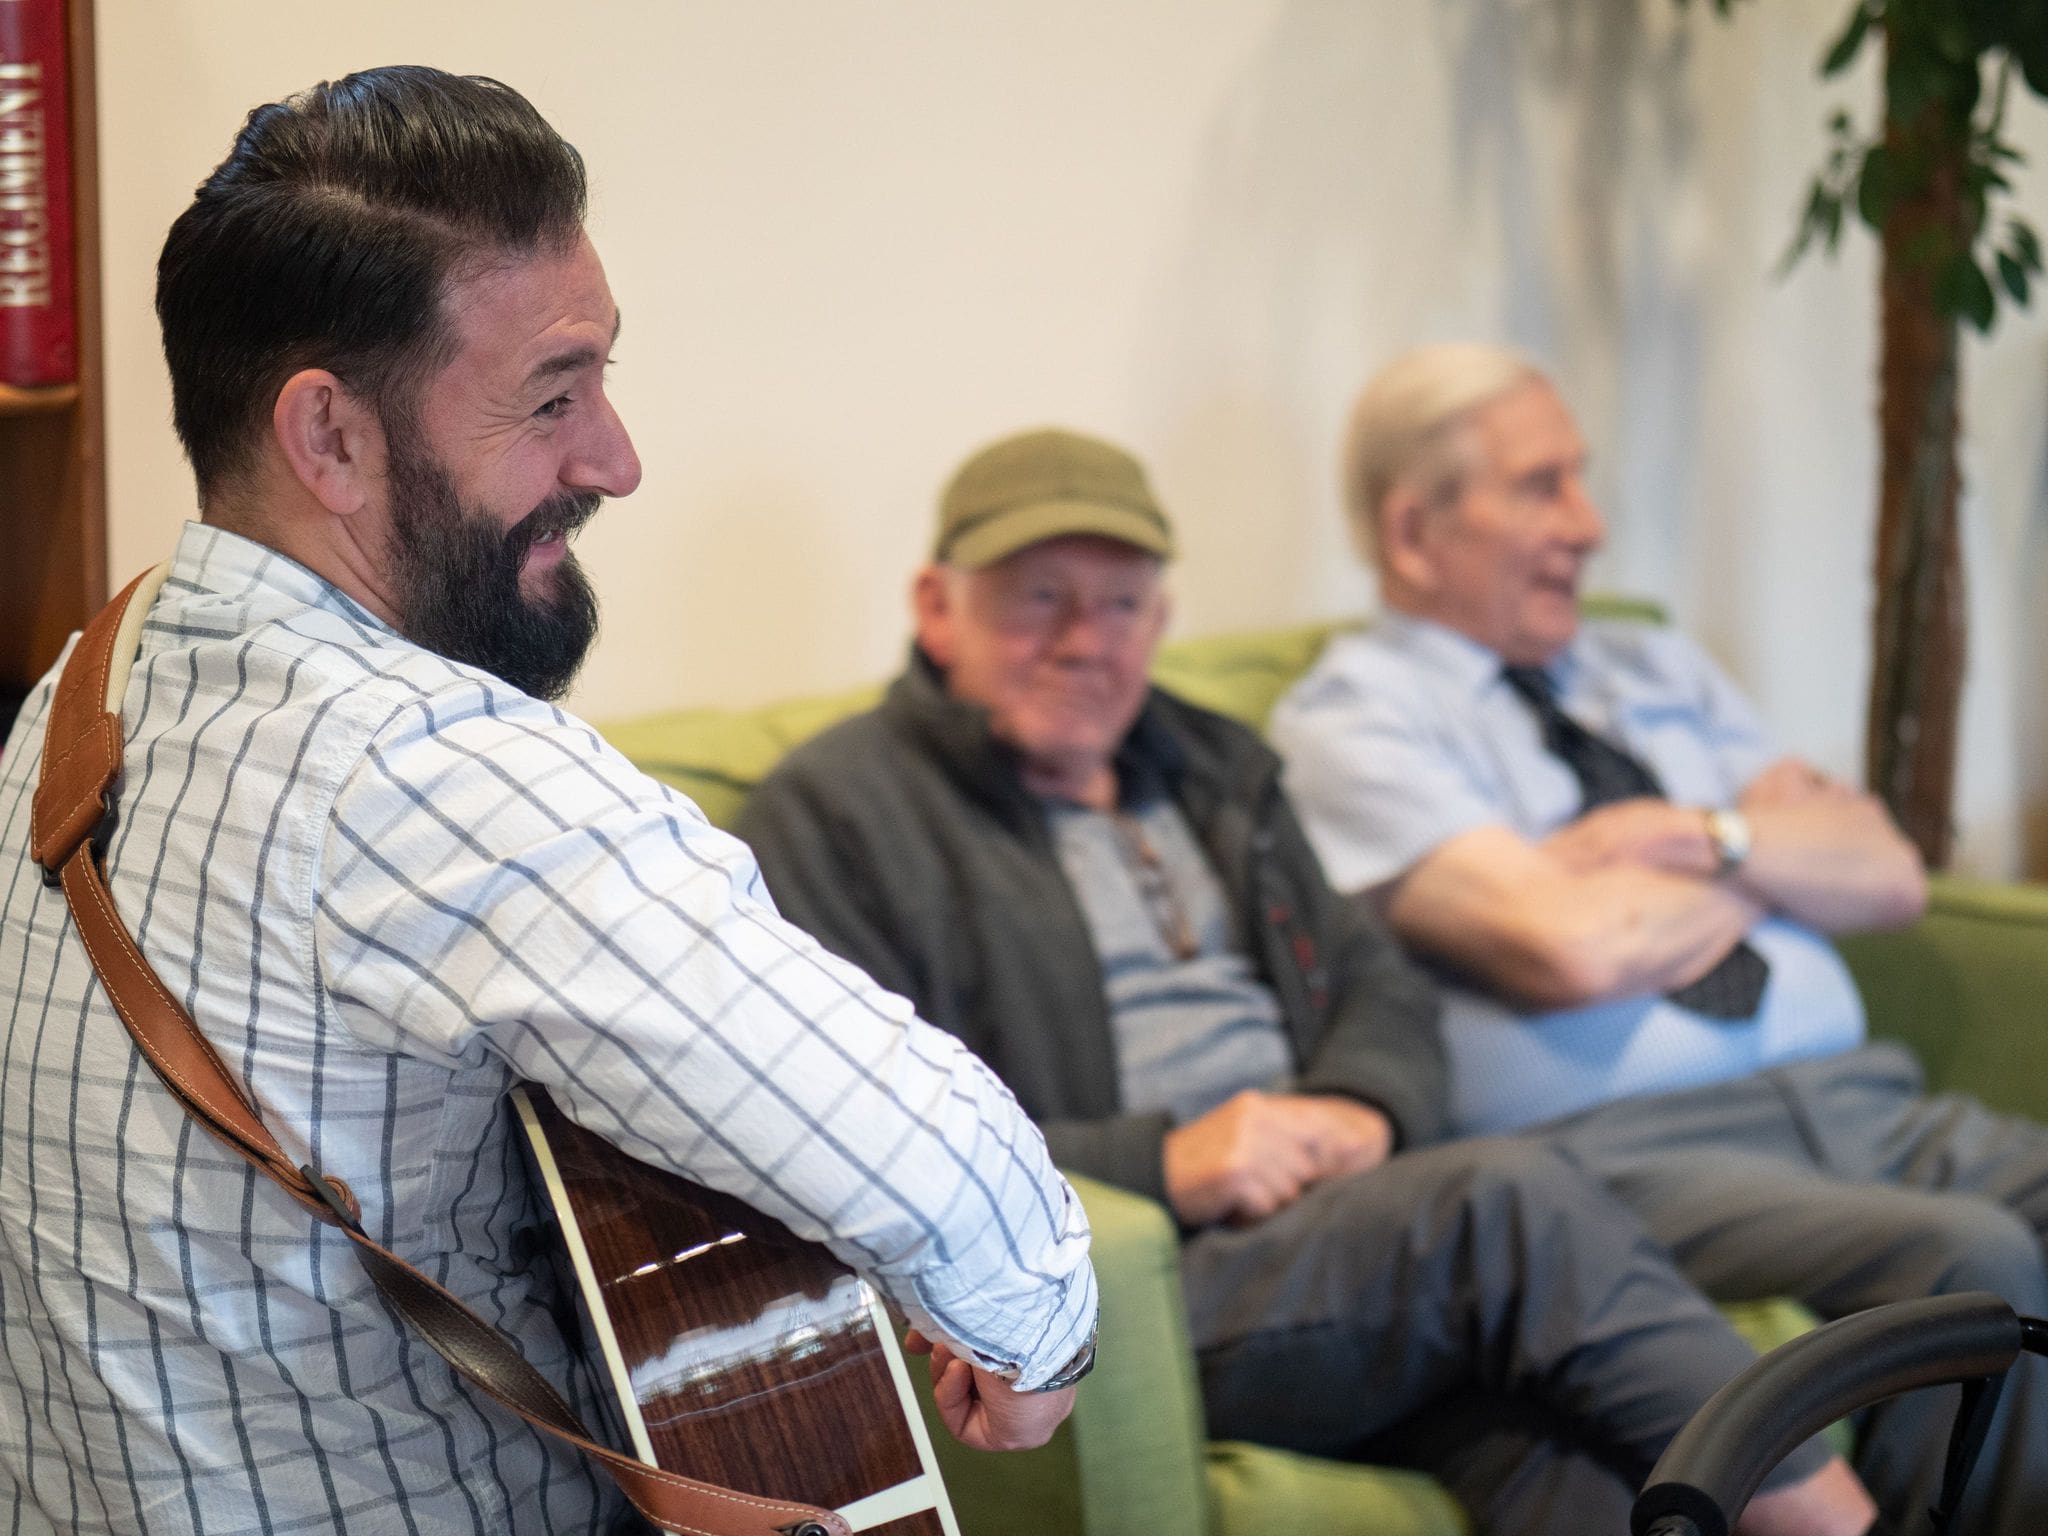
(605, 461)
(1583, 525)
(1085, 628)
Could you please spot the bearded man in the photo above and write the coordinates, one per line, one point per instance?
(389, 880)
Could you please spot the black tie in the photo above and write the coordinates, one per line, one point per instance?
(1734, 988)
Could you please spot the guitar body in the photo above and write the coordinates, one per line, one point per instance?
(736, 1351)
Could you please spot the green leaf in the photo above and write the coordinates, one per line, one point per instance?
(1962, 89)
(2026, 245)
(2014, 277)
(1952, 37)
(1822, 212)
(1874, 185)
(1910, 76)
(1929, 248)
(1981, 302)
(1994, 23)
(1843, 51)
(2030, 46)
(1962, 291)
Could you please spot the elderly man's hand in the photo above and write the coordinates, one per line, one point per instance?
(984, 1412)
(1648, 833)
(1791, 781)
(1256, 1153)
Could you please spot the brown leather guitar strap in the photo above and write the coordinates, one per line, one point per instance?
(74, 806)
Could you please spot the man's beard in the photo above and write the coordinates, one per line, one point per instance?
(456, 576)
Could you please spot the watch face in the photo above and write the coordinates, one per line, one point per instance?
(1730, 832)
(1082, 1363)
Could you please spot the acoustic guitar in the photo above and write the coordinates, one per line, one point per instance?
(735, 1350)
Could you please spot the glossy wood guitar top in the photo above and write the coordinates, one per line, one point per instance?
(740, 1352)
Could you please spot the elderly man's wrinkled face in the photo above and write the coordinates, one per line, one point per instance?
(1502, 564)
(1055, 642)
(514, 448)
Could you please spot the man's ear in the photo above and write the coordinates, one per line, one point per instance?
(1162, 615)
(331, 440)
(1406, 521)
(932, 603)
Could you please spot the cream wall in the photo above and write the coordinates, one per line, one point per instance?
(854, 238)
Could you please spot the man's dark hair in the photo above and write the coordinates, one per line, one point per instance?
(329, 235)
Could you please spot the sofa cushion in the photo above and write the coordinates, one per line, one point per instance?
(1255, 1488)
(717, 756)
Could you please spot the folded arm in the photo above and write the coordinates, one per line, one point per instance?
(1828, 854)
(1821, 852)
(1556, 928)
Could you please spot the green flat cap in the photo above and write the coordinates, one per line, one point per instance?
(1043, 485)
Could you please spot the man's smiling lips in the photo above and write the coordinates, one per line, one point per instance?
(1075, 692)
(546, 551)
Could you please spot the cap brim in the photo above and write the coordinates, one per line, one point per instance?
(1016, 529)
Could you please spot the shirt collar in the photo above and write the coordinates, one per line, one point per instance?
(214, 560)
(1461, 660)
(1149, 763)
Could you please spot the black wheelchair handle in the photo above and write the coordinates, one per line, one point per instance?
(1714, 1465)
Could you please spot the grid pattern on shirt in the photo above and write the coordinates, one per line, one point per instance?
(387, 887)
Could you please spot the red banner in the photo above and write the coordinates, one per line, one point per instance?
(38, 324)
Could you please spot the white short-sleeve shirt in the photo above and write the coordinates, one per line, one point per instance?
(1405, 735)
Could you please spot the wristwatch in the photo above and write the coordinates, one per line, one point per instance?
(1728, 831)
(1080, 1365)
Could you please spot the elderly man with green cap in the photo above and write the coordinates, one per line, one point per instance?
(1102, 890)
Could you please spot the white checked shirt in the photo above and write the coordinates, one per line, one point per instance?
(389, 886)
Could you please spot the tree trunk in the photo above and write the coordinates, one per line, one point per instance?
(1918, 641)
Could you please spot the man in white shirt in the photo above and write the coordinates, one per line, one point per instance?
(1626, 891)
(390, 880)
(1102, 889)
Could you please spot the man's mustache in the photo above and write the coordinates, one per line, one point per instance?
(558, 514)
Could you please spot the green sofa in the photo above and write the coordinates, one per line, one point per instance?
(1963, 986)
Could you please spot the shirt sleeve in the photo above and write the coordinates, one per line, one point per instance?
(496, 881)
(1376, 787)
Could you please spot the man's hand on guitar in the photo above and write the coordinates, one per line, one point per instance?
(983, 1411)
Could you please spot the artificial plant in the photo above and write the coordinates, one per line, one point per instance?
(1927, 178)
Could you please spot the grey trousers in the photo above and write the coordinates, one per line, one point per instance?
(1841, 1183)
(1483, 1310)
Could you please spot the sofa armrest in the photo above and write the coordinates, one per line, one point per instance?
(1964, 987)
(1129, 1461)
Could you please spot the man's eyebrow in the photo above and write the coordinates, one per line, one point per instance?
(571, 360)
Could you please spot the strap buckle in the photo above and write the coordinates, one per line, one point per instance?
(337, 1196)
(97, 839)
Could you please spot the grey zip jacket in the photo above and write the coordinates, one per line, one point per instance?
(905, 840)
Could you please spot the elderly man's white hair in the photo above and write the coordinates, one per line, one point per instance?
(1404, 427)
